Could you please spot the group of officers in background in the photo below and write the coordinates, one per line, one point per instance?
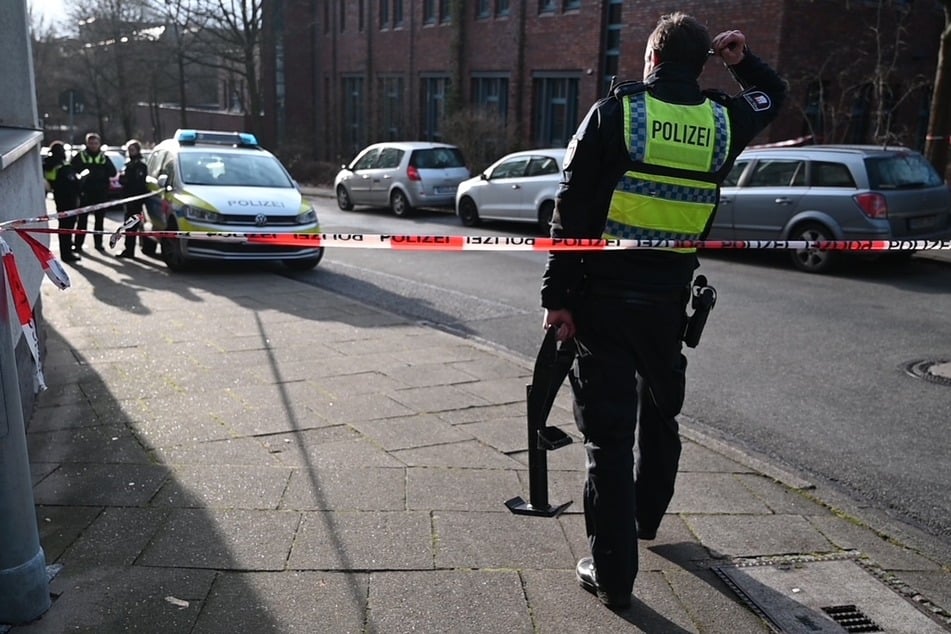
(84, 180)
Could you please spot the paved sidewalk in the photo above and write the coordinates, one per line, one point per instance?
(236, 451)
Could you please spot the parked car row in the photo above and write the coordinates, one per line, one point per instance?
(820, 192)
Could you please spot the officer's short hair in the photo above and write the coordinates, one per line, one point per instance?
(681, 38)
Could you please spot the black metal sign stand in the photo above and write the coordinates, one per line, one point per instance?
(551, 367)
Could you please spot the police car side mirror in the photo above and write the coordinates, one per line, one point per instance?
(163, 181)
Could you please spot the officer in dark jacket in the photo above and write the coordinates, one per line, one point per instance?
(63, 181)
(646, 163)
(133, 183)
(95, 170)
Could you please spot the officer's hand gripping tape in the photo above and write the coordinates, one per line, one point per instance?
(703, 299)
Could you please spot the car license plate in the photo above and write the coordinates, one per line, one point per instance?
(444, 190)
(924, 222)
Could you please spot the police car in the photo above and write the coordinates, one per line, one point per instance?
(225, 182)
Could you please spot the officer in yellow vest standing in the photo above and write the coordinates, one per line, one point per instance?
(646, 163)
(95, 170)
(63, 181)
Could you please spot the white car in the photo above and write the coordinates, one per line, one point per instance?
(520, 186)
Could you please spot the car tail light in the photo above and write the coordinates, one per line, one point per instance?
(412, 173)
(872, 205)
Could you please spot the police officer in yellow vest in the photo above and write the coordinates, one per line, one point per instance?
(63, 181)
(95, 169)
(646, 163)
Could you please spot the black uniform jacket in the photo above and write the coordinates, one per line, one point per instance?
(133, 178)
(96, 183)
(598, 157)
(66, 186)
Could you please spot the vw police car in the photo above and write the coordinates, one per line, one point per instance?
(224, 182)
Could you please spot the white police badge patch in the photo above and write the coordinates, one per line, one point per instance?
(758, 100)
(570, 151)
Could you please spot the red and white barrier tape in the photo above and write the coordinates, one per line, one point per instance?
(24, 311)
(15, 224)
(516, 243)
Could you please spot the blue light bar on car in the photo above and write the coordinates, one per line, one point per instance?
(190, 137)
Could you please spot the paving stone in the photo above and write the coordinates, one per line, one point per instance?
(230, 451)
(116, 537)
(124, 599)
(101, 443)
(101, 485)
(504, 390)
(425, 375)
(343, 489)
(303, 451)
(472, 540)
(695, 457)
(437, 398)
(449, 489)
(757, 535)
(482, 413)
(849, 536)
(210, 486)
(410, 431)
(714, 493)
(223, 539)
(59, 526)
(780, 498)
(932, 584)
(362, 407)
(67, 416)
(710, 601)
(559, 605)
(286, 602)
(470, 454)
(507, 435)
(448, 601)
(363, 541)
(494, 368)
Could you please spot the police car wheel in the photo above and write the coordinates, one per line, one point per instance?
(468, 212)
(812, 260)
(343, 199)
(400, 204)
(172, 253)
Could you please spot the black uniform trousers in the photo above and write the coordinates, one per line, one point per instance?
(628, 345)
(133, 209)
(82, 220)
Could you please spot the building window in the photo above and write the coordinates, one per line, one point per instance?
(429, 11)
(397, 13)
(445, 11)
(612, 43)
(435, 90)
(492, 93)
(342, 8)
(384, 14)
(572, 5)
(501, 7)
(391, 108)
(483, 9)
(556, 110)
(354, 128)
(361, 17)
(546, 6)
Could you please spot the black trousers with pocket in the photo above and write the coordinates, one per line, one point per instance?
(628, 382)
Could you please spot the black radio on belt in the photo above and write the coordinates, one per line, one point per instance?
(702, 299)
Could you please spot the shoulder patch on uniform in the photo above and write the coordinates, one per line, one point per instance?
(758, 100)
(631, 87)
(570, 151)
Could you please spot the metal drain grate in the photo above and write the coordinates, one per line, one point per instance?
(851, 618)
(922, 369)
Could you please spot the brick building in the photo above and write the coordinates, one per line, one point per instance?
(345, 73)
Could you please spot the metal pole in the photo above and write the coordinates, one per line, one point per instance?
(24, 584)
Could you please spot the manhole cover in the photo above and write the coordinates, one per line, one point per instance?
(824, 597)
(933, 370)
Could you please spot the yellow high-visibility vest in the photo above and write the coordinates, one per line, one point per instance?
(680, 146)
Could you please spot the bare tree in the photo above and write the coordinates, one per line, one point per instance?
(939, 122)
(232, 35)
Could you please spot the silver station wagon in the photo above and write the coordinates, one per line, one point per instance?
(832, 192)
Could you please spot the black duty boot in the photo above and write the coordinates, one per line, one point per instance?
(589, 581)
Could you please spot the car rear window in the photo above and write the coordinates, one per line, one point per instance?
(437, 158)
(907, 170)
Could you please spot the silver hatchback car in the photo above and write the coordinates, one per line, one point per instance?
(401, 176)
(832, 192)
